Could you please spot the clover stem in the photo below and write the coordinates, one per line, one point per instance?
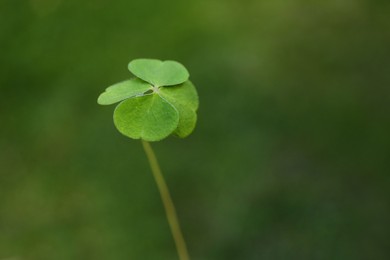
(168, 203)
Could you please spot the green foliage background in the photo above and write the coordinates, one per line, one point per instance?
(290, 158)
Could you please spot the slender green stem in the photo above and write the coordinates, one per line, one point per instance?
(168, 203)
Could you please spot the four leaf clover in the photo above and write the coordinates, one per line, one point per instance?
(158, 102)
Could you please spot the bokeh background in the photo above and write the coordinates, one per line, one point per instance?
(290, 158)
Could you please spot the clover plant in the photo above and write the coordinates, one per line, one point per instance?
(157, 102)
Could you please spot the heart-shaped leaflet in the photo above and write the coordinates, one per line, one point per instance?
(159, 73)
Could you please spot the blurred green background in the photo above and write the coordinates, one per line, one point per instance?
(290, 158)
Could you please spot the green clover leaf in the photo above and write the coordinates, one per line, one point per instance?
(160, 102)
